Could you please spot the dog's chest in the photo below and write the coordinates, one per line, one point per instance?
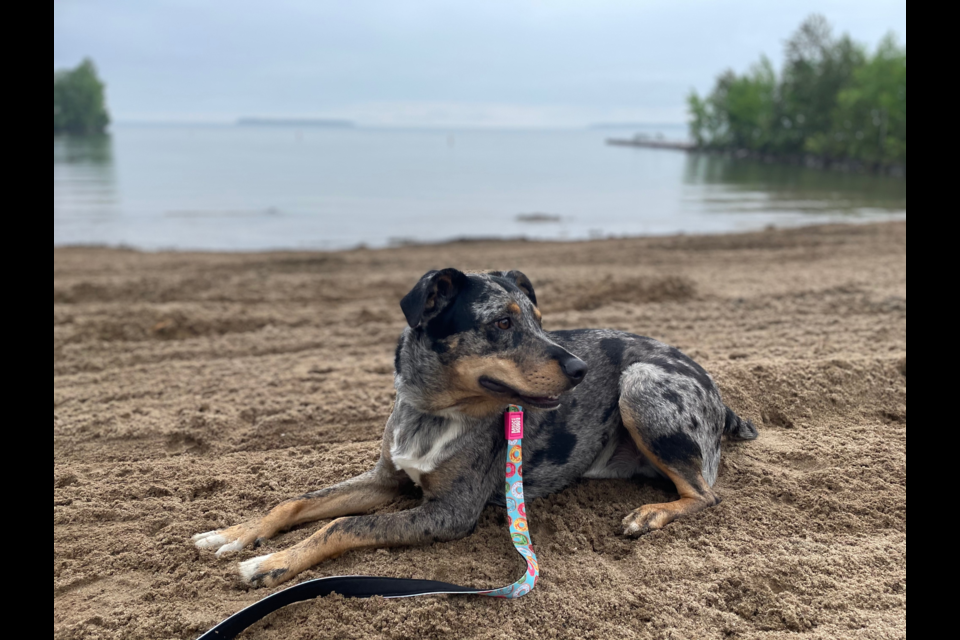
(421, 450)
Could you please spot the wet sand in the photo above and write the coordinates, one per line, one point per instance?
(194, 391)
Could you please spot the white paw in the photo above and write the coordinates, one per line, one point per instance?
(630, 525)
(230, 547)
(218, 541)
(209, 540)
(250, 568)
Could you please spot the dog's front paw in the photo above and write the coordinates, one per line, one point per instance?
(647, 518)
(216, 540)
(265, 571)
(227, 540)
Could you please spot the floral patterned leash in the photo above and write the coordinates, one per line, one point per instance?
(516, 508)
(369, 586)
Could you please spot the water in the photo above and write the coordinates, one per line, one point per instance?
(249, 188)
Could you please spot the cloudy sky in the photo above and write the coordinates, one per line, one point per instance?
(494, 63)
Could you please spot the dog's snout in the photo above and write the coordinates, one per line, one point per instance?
(574, 368)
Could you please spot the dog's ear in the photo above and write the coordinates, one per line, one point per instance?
(523, 283)
(428, 297)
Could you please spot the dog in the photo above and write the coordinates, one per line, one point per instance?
(474, 344)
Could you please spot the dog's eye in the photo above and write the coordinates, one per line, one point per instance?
(504, 324)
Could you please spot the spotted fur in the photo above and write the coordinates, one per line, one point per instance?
(623, 405)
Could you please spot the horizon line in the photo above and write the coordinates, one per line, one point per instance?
(320, 123)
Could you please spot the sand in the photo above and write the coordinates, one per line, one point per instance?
(193, 391)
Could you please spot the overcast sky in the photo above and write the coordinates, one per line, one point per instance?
(515, 63)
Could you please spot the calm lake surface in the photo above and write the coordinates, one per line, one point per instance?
(251, 188)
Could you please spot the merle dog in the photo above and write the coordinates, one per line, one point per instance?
(475, 344)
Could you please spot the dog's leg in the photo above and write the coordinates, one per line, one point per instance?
(454, 495)
(678, 428)
(435, 520)
(357, 495)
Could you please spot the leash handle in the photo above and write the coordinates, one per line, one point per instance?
(369, 586)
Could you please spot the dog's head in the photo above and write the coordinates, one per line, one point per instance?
(476, 343)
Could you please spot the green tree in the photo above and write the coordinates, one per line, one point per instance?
(79, 106)
(870, 121)
(832, 100)
(739, 112)
(818, 67)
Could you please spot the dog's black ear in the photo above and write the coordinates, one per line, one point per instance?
(428, 297)
(523, 283)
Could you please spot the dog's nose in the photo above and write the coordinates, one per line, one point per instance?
(575, 369)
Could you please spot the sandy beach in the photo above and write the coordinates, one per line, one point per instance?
(196, 390)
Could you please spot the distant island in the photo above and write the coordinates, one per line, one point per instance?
(631, 125)
(295, 122)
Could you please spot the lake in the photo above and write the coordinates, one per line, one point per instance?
(253, 188)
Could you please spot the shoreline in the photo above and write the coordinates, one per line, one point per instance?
(890, 218)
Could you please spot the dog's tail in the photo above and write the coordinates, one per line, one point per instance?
(737, 428)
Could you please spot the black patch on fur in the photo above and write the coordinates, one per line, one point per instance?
(667, 365)
(549, 421)
(445, 284)
(673, 398)
(676, 449)
(684, 368)
(456, 317)
(561, 445)
(613, 348)
(693, 370)
(260, 577)
(517, 338)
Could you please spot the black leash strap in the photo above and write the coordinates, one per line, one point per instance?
(367, 586)
(347, 586)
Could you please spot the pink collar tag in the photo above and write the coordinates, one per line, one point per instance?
(513, 422)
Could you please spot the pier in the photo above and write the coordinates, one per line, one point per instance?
(652, 143)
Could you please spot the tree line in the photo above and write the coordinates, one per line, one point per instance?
(79, 105)
(833, 102)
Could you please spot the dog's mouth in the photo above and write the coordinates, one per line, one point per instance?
(540, 402)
